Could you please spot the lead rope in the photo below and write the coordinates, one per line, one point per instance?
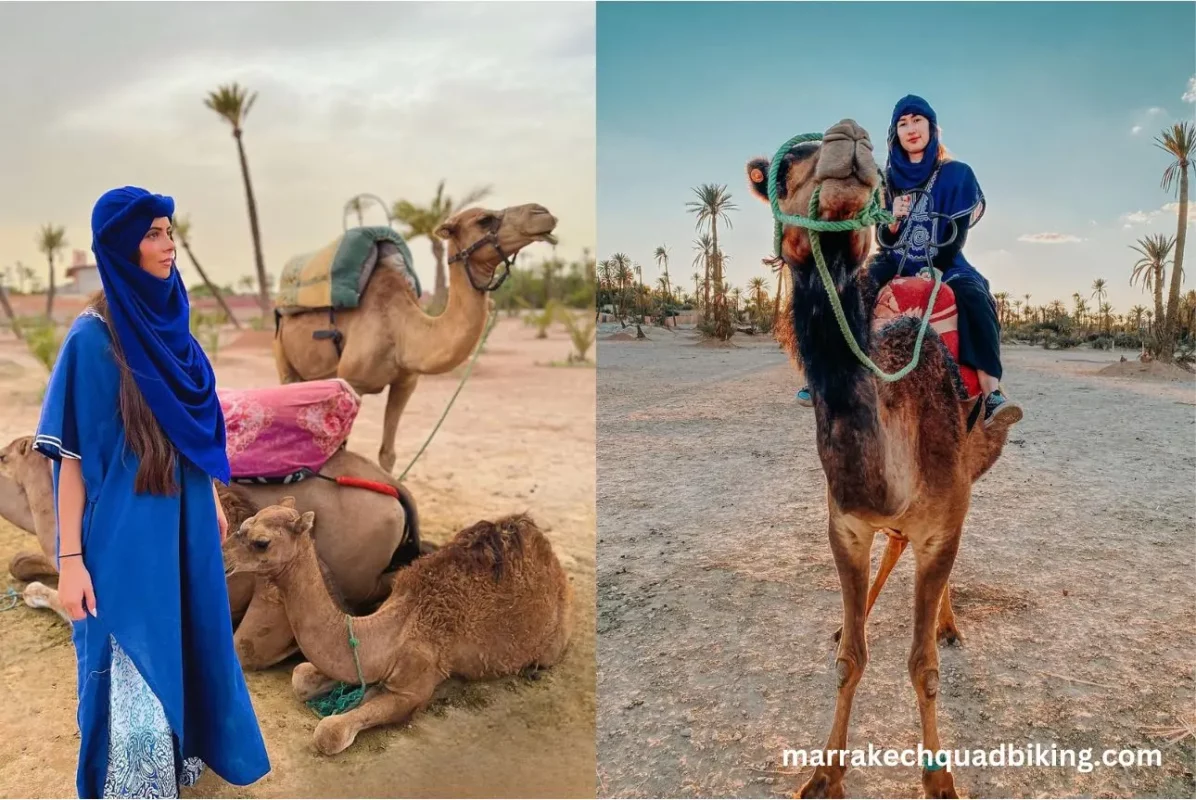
(872, 214)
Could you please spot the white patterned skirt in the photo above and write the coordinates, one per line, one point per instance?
(141, 751)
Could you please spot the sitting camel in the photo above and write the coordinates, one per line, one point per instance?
(492, 602)
(374, 535)
(899, 457)
(388, 340)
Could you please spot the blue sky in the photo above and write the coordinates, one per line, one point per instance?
(1054, 105)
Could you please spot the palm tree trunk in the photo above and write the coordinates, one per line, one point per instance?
(211, 286)
(50, 293)
(259, 262)
(1171, 329)
(12, 318)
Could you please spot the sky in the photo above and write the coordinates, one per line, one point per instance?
(381, 98)
(1054, 105)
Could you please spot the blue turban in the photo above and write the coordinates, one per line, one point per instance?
(903, 174)
(151, 317)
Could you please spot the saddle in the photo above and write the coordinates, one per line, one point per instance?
(334, 277)
(280, 434)
(907, 297)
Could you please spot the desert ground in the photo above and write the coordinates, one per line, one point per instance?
(519, 438)
(718, 596)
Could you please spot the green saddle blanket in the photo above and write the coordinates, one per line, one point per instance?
(336, 275)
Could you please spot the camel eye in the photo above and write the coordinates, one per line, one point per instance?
(261, 544)
(488, 221)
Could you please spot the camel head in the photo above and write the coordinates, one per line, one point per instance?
(20, 462)
(484, 239)
(842, 165)
(268, 541)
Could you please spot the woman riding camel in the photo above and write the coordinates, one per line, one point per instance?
(927, 191)
(133, 425)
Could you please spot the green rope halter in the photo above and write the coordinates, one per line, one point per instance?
(873, 213)
(344, 697)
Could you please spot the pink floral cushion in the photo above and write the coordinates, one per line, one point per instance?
(277, 430)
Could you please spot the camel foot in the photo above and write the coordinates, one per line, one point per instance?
(386, 461)
(938, 784)
(823, 784)
(38, 595)
(333, 735)
(28, 566)
(948, 634)
(308, 682)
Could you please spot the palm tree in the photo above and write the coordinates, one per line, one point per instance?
(1029, 313)
(621, 265)
(712, 204)
(662, 257)
(1098, 293)
(702, 246)
(182, 232)
(424, 220)
(357, 205)
(1151, 269)
(1002, 299)
(1056, 310)
(1106, 309)
(1177, 142)
(51, 241)
(1136, 314)
(233, 103)
(12, 317)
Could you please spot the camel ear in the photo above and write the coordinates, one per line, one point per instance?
(24, 445)
(287, 502)
(306, 521)
(757, 170)
(446, 230)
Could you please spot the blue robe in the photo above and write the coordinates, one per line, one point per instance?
(158, 573)
(956, 195)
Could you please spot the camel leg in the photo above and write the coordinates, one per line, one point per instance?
(948, 633)
(893, 550)
(38, 595)
(308, 682)
(851, 551)
(264, 636)
(396, 401)
(28, 566)
(935, 557)
(286, 373)
(408, 689)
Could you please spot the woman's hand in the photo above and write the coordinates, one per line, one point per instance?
(221, 520)
(74, 587)
(901, 206)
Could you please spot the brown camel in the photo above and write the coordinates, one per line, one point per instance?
(492, 602)
(899, 457)
(365, 547)
(388, 340)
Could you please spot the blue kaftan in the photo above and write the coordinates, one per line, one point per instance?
(162, 635)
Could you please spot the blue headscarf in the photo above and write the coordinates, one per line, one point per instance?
(151, 317)
(903, 174)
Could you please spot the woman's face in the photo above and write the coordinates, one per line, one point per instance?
(913, 131)
(157, 249)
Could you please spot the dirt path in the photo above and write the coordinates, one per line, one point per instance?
(520, 437)
(718, 595)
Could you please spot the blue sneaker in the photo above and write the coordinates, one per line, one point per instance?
(998, 407)
(804, 398)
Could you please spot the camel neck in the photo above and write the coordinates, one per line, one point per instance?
(439, 344)
(320, 625)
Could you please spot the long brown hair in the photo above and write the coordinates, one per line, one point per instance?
(155, 473)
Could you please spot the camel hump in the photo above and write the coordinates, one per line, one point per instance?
(335, 276)
(494, 546)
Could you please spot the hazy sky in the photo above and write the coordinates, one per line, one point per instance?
(1054, 105)
(385, 98)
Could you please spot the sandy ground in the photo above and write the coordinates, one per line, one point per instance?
(520, 437)
(718, 594)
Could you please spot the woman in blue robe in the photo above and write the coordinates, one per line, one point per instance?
(134, 427)
(937, 200)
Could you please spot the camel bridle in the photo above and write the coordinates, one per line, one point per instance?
(491, 239)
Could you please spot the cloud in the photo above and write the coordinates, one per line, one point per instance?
(1136, 130)
(1190, 95)
(1049, 238)
(1167, 213)
(1155, 111)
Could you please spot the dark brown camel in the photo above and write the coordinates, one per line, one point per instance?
(899, 457)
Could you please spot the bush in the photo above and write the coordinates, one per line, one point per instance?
(43, 340)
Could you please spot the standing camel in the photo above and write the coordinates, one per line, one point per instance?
(388, 340)
(899, 457)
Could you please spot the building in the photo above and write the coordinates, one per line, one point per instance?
(83, 277)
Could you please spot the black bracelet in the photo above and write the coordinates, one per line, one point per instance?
(68, 555)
